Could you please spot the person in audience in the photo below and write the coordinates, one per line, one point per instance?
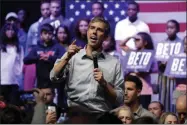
(168, 118)
(10, 115)
(11, 63)
(181, 86)
(12, 18)
(108, 118)
(99, 93)
(56, 19)
(63, 36)
(125, 115)
(22, 19)
(97, 9)
(133, 87)
(145, 120)
(143, 41)
(32, 39)
(167, 85)
(156, 108)
(81, 29)
(129, 27)
(44, 55)
(181, 107)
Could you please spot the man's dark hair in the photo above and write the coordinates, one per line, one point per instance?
(101, 4)
(10, 115)
(48, 86)
(134, 3)
(136, 80)
(145, 120)
(176, 24)
(44, 1)
(161, 105)
(108, 118)
(47, 28)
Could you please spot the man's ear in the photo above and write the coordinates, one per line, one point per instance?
(139, 92)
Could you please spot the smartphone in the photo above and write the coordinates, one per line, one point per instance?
(51, 108)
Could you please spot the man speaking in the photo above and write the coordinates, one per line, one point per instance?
(95, 79)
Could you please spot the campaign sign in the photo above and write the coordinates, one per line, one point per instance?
(165, 49)
(176, 66)
(139, 61)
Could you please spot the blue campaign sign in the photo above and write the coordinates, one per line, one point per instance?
(176, 66)
(139, 61)
(166, 49)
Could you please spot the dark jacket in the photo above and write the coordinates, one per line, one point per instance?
(43, 67)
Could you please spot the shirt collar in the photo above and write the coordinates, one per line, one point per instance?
(134, 23)
(138, 111)
(101, 55)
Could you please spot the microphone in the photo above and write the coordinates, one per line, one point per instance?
(95, 61)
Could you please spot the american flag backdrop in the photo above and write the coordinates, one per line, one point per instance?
(154, 12)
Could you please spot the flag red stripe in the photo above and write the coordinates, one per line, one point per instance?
(163, 7)
(162, 27)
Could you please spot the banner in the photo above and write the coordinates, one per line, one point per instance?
(139, 61)
(176, 66)
(166, 49)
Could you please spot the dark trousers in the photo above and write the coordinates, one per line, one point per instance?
(10, 94)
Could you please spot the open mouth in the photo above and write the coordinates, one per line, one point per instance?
(93, 38)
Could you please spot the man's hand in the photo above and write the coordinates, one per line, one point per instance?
(51, 117)
(72, 49)
(44, 57)
(39, 95)
(98, 75)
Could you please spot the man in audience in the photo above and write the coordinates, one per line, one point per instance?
(181, 107)
(156, 108)
(56, 19)
(44, 55)
(127, 28)
(98, 9)
(96, 88)
(33, 33)
(133, 87)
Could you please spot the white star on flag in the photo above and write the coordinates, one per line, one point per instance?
(111, 1)
(71, 19)
(82, 6)
(77, 1)
(77, 13)
(111, 12)
(88, 1)
(71, 6)
(122, 12)
(117, 5)
(116, 19)
(88, 13)
(105, 5)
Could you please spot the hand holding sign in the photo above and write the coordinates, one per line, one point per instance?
(72, 49)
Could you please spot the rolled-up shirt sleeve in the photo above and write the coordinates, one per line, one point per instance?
(63, 73)
(119, 84)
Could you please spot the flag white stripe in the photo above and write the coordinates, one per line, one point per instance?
(162, 17)
(157, 37)
(159, 1)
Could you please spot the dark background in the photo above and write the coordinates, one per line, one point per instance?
(32, 7)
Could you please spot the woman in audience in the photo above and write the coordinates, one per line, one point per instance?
(143, 41)
(11, 63)
(109, 46)
(81, 32)
(166, 84)
(125, 115)
(63, 36)
(168, 118)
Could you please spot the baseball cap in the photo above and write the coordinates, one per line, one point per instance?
(11, 14)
